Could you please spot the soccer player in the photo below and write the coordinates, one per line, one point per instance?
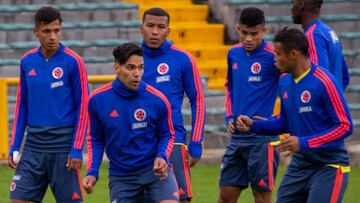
(51, 107)
(174, 72)
(315, 113)
(132, 121)
(325, 48)
(251, 90)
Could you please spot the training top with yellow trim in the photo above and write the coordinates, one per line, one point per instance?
(52, 102)
(313, 109)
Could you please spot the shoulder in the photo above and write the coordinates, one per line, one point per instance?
(73, 56)
(235, 47)
(324, 76)
(29, 54)
(156, 96)
(269, 48)
(99, 92)
(179, 52)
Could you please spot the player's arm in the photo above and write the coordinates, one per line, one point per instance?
(20, 120)
(96, 145)
(333, 101)
(229, 98)
(194, 90)
(80, 94)
(318, 50)
(166, 135)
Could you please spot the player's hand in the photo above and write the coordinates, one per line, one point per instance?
(12, 164)
(73, 164)
(88, 184)
(291, 144)
(231, 127)
(160, 168)
(193, 161)
(243, 123)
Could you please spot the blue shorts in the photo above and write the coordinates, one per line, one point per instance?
(37, 170)
(142, 187)
(319, 184)
(180, 162)
(245, 162)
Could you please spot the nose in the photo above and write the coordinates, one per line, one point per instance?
(52, 36)
(155, 31)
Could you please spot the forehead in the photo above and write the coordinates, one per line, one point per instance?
(53, 25)
(156, 19)
(135, 60)
(256, 28)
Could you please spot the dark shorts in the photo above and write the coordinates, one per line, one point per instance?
(142, 187)
(254, 163)
(37, 170)
(320, 184)
(180, 162)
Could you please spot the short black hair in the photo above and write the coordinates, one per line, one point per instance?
(46, 15)
(313, 6)
(292, 38)
(251, 17)
(123, 52)
(156, 11)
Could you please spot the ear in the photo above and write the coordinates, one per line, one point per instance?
(301, 5)
(264, 29)
(293, 54)
(35, 31)
(141, 29)
(116, 67)
(237, 28)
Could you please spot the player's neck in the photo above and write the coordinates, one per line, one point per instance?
(48, 53)
(308, 18)
(301, 66)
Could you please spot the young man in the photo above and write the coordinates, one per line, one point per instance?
(315, 113)
(52, 107)
(325, 48)
(174, 72)
(251, 90)
(132, 120)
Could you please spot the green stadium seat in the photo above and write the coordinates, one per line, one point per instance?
(354, 71)
(349, 35)
(4, 46)
(353, 88)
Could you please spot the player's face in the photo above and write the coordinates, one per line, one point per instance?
(131, 72)
(49, 36)
(296, 7)
(251, 37)
(155, 30)
(282, 59)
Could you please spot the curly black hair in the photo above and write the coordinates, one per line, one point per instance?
(251, 17)
(156, 12)
(292, 38)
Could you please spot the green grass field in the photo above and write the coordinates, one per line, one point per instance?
(205, 186)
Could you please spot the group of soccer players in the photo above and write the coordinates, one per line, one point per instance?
(137, 117)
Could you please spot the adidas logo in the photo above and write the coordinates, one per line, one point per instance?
(261, 183)
(32, 72)
(75, 196)
(285, 95)
(114, 114)
(181, 191)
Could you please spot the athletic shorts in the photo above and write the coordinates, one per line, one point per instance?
(317, 184)
(244, 162)
(179, 159)
(37, 170)
(142, 187)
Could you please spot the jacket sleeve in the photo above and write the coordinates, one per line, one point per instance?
(21, 114)
(318, 49)
(336, 107)
(165, 129)
(194, 90)
(273, 126)
(95, 141)
(228, 91)
(80, 94)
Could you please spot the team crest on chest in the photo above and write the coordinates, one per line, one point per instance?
(57, 73)
(305, 97)
(256, 68)
(163, 68)
(140, 114)
(12, 186)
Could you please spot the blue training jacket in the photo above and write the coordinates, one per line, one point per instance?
(174, 72)
(315, 110)
(326, 51)
(134, 127)
(52, 93)
(251, 86)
